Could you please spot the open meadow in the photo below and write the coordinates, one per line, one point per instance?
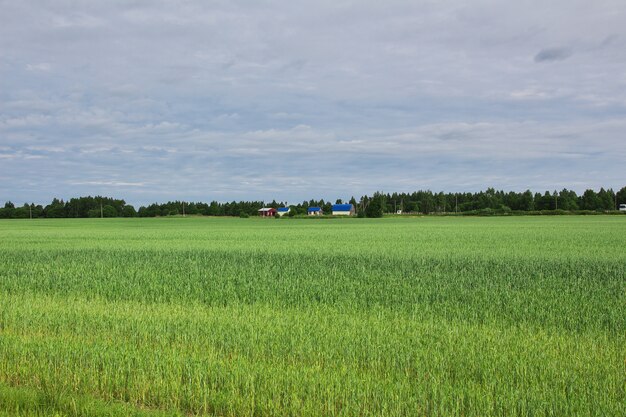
(300, 317)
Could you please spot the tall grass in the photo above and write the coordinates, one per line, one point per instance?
(245, 317)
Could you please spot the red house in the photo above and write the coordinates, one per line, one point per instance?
(267, 212)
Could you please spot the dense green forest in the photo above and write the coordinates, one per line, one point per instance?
(485, 202)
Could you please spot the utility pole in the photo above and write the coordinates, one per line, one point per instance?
(456, 204)
(101, 211)
(183, 209)
(30, 210)
(556, 200)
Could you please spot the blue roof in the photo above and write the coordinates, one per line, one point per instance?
(283, 209)
(315, 209)
(342, 207)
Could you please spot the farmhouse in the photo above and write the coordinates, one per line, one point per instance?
(315, 211)
(281, 211)
(267, 212)
(343, 210)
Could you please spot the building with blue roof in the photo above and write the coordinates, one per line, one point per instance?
(315, 211)
(343, 210)
(281, 211)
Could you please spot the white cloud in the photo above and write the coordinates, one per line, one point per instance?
(530, 93)
(43, 67)
(109, 183)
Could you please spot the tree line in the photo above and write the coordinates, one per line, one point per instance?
(490, 201)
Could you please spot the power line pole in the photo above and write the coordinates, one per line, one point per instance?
(101, 211)
(30, 210)
(183, 209)
(556, 200)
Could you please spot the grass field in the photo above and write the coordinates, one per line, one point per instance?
(346, 317)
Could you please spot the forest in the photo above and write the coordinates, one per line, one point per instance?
(486, 202)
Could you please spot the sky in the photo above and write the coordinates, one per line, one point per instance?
(155, 100)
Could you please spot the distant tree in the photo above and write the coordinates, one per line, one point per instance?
(512, 200)
(192, 208)
(606, 199)
(427, 203)
(152, 210)
(526, 201)
(215, 209)
(105, 211)
(129, 211)
(371, 206)
(544, 202)
(22, 212)
(56, 209)
(37, 211)
(387, 203)
(568, 200)
(8, 212)
(589, 200)
(485, 200)
(109, 211)
(620, 196)
(410, 206)
(375, 207)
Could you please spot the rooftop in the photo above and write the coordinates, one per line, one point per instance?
(342, 207)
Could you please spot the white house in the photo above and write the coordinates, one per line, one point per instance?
(315, 211)
(343, 210)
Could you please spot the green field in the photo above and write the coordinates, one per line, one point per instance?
(297, 317)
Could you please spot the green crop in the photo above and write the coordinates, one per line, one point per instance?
(298, 317)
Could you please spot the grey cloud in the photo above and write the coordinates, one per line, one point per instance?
(553, 54)
(609, 40)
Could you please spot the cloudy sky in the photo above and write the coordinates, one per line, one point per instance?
(156, 100)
